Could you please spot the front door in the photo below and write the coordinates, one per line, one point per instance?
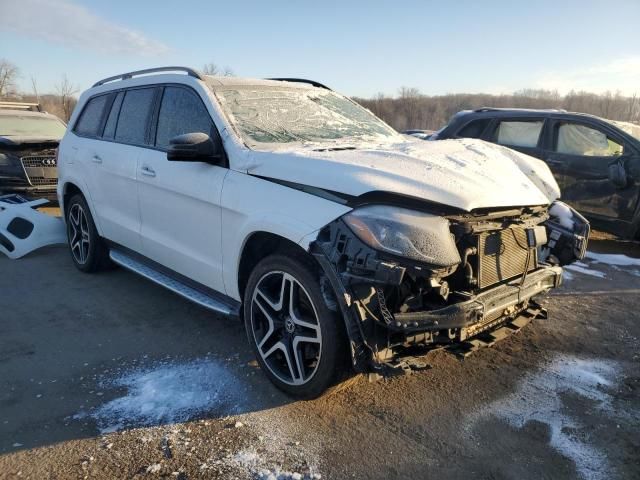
(180, 201)
(586, 151)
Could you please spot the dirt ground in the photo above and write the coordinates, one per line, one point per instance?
(109, 376)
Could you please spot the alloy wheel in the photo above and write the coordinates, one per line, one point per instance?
(79, 238)
(285, 328)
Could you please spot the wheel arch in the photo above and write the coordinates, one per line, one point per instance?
(257, 246)
(71, 188)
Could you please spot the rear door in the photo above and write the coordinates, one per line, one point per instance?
(114, 190)
(586, 149)
(180, 201)
(520, 133)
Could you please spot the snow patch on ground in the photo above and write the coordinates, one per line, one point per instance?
(592, 260)
(613, 259)
(254, 463)
(169, 393)
(583, 268)
(539, 398)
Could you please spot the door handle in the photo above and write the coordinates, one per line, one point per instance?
(96, 159)
(148, 171)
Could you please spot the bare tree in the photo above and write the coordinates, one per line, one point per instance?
(213, 69)
(9, 73)
(65, 91)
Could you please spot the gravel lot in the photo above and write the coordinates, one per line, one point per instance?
(110, 376)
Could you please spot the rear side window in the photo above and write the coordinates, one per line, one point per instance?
(181, 112)
(91, 117)
(134, 115)
(474, 129)
(110, 126)
(519, 133)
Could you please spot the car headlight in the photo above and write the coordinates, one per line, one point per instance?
(405, 233)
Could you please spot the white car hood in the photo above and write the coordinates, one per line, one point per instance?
(467, 174)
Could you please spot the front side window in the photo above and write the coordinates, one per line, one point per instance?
(287, 115)
(576, 139)
(181, 112)
(519, 133)
(89, 121)
(134, 115)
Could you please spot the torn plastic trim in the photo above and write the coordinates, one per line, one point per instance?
(361, 351)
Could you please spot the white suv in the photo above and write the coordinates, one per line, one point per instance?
(336, 239)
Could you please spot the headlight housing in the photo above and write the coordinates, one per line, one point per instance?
(405, 233)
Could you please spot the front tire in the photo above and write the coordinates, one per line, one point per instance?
(298, 341)
(88, 251)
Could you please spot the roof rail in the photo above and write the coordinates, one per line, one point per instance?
(125, 76)
(301, 80)
(498, 109)
(31, 107)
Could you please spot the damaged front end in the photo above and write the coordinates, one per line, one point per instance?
(408, 280)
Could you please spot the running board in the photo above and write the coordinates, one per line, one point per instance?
(213, 301)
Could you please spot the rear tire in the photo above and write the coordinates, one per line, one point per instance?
(298, 341)
(88, 251)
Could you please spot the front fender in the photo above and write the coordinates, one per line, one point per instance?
(251, 205)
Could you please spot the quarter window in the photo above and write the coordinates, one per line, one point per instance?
(134, 114)
(519, 133)
(576, 139)
(110, 126)
(89, 121)
(181, 112)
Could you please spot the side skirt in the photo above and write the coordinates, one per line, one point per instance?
(175, 282)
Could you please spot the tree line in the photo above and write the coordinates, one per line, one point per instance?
(409, 109)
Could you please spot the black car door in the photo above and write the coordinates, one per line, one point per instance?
(584, 151)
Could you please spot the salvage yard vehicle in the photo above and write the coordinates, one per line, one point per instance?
(595, 161)
(336, 239)
(28, 139)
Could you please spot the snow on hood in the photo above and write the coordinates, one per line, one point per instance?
(466, 174)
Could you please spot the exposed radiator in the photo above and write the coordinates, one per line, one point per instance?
(502, 255)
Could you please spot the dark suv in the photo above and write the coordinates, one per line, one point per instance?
(28, 140)
(595, 161)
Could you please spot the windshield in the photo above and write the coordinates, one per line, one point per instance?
(630, 128)
(28, 126)
(286, 115)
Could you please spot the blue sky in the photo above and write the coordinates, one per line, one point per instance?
(359, 48)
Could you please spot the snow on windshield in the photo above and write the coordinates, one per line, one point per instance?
(280, 115)
(28, 126)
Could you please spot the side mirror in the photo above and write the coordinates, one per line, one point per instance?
(618, 175)
(194, 147)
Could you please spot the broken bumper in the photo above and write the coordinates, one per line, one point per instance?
(485, 309)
